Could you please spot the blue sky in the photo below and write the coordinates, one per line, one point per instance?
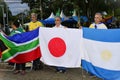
(16, 7)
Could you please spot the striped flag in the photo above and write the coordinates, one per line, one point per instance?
(101, 53)
(22, 47)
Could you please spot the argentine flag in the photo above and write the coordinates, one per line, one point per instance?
(102, 53)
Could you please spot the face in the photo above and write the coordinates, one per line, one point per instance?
(57, 21)
(33, 18)
(97, 18)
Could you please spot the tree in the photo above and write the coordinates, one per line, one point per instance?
(83, 7)
(4, 9)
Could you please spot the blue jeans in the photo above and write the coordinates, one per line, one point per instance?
(61, 68)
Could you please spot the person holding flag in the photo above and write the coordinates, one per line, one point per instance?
(98, 22)
(16, 30)
(58, 25)
(97, 25)
(34, 24)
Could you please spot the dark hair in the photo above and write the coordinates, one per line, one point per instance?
(58, 17)
(16, 23)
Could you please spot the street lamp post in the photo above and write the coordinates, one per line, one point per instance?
(3, 14)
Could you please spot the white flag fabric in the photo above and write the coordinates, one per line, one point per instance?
(61, 46)
(102, 53)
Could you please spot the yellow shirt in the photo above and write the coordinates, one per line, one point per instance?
(34, 25)
(99, 26)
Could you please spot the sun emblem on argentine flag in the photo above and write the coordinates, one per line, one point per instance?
(106, 55)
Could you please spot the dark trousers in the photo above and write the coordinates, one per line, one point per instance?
(60, 68)
(20, 66)
(37, 64)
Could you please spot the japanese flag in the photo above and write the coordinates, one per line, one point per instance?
(61, 46)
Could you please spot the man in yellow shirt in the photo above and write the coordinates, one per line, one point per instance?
(34, 22)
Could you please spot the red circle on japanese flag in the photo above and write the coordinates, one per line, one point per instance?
(57, 47)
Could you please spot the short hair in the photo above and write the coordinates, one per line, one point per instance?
(98, 13)
(16, 23)
(34, 14)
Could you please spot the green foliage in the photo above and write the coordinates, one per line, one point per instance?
(82, 7)
(5, 7)
(117, 12)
